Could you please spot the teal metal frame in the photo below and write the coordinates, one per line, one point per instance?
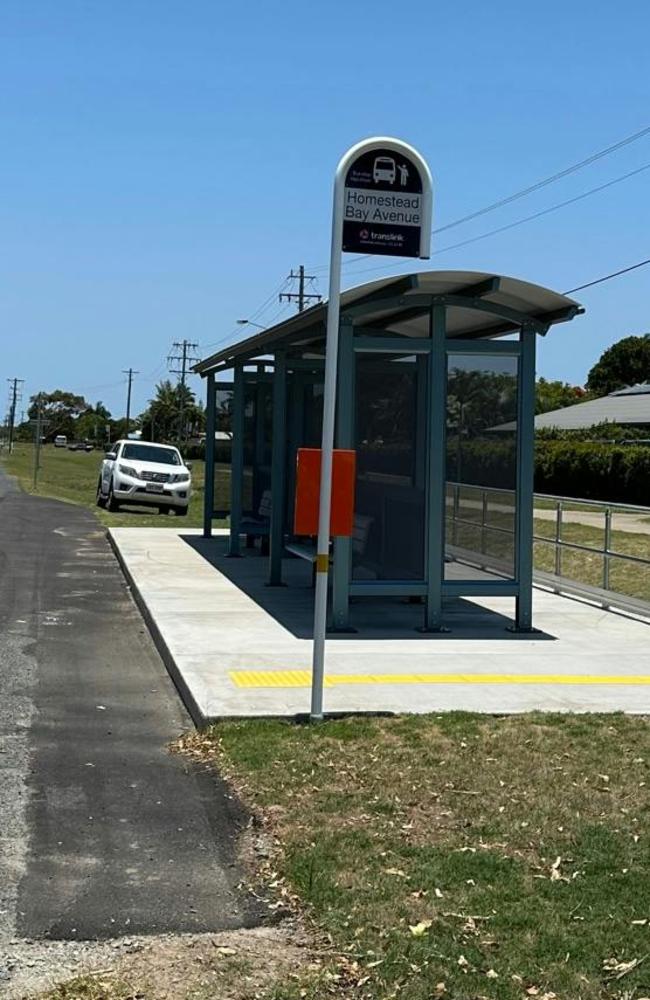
(342, 558)
(237, 466)
(278, 470)
(525, 482)
(208, 486)
(436, 472)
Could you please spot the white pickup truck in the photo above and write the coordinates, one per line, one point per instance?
(140, 472)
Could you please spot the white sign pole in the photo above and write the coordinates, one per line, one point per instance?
(329, 392)
(327, 445)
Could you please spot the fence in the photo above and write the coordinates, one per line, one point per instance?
(598, 550)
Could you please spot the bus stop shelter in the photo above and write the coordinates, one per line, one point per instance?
(430, 365)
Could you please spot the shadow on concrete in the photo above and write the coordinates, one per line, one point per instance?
(292, 606)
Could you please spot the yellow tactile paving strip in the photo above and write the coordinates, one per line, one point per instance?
(302, 679)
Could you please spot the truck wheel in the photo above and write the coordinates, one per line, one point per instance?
(100, 498)
(111, 503)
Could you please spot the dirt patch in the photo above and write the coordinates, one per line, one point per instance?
(234, 965)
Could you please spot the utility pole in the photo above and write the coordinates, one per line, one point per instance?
(130, 372)
(184, 357)
(301, 295)
(38, 432)
(14, 390)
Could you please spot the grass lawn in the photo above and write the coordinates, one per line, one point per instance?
(72, 476)
(457, 856)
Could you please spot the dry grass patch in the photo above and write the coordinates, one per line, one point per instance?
(238, 965)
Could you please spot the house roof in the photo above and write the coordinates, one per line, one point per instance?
(519, 302)
(630, 405)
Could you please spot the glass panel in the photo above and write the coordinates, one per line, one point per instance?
(305, 426)
(222, 449)
(250, 394)
(481, 466)
(388, 542)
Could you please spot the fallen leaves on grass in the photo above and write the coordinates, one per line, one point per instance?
(419, 929)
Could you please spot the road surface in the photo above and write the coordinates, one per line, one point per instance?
(103, 831)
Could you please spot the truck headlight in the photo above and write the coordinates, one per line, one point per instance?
(128, 470)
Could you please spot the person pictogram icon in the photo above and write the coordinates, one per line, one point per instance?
(403, 174)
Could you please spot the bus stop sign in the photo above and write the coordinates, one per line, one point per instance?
(383, 205)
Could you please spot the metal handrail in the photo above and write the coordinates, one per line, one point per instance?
(606, 552)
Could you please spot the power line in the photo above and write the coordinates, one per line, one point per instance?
(301, 295)
(253, 316)
(523, 192)
(608, 277)
(547, 180)
(520, 222)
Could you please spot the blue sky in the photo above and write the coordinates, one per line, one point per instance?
(165, 164)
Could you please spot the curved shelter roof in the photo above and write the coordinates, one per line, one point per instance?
(479, 305)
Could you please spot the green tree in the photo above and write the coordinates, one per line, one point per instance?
(162, 418)
(624, 363)
(554, 395)
(91, 425)
(61, 410)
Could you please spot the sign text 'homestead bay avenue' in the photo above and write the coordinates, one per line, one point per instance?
(383, 204)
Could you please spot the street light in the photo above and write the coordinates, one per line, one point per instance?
(250, 322)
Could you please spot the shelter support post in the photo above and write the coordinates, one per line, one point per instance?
(237, 462)
(344, 439)
(278, 469)
(208, 488)
(436, 472)
(525, 480)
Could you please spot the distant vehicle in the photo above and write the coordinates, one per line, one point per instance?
(80, 446)
(384, 170)
(60, 441)
(141, 472)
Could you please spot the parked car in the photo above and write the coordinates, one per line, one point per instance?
(141, 472)
(80, 446)
(60, 441)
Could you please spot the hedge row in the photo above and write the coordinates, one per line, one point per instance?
(618, 473)
(583, 469)
(586, 470)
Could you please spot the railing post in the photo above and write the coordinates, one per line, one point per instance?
(483, 520)
(558, 538)
(608, 546)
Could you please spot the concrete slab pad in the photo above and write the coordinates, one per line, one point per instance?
(237, 648)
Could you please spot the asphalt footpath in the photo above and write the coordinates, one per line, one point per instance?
(103, 832)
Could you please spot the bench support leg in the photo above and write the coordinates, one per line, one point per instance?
(340, 586)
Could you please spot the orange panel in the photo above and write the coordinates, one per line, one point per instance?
(308, 492)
